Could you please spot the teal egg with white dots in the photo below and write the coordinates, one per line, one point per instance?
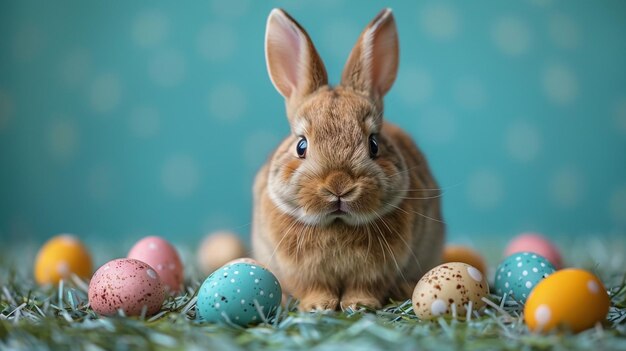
(518, 274)
(241, 293)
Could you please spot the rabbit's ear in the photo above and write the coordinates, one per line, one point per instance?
(293, 64)
(373, 62)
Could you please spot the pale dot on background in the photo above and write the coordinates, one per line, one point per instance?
(217, 42)
(6, 109)
(100, 183)
(340, 38)
(485, 189)
(27, 43)
(437, 126)
(567, 187)
(218, 221)
(62, 138)
(470, 93)
(560, 84)
(167, 68)
(105, 93)
(542, 3)
(230, 9)
(511, 35)
(523, 141)
(75, 67)
(226, 101)
(564, 32)
(144, 121)
(439, 21)
(414, 86)
(180, 175)
(258, 146)
(620, 114)
(150, 28)
(617, 205)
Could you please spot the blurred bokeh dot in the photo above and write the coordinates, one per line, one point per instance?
(217, 42)
(144, 121)
(219, 221)
(63, 138)
(100, 183)
(150, 28)
(75, 67)
(439, 20)
(470, 93)
(105, 93)
(511, 35)
(620, 114)
(414, 86)
(485, 189)
(339, 38)
(180, 175)
(436, 126)
(617, 205)
(564, 32)
(567, 187)
(229, 9)
(226, 101)
(523, 141)
(27, 43)
(560, 84)
(167, 68)
(258, 146)
(6, 109)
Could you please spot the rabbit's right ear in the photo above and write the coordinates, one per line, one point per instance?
(294, 65)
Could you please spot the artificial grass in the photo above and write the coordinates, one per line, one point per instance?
(34, 318)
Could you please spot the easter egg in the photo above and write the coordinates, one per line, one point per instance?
(519, 273)
(59, 257)
(245, 260)
(570, 298)
(452, 283)
(217, 249)
(533, 242)
(126, 284)
(459, 253)
(162, 256)
(237, 293)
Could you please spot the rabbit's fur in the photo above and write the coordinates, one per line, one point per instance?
(341, 226)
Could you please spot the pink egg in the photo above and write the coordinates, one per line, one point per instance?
(533, 242)
(126, 284)
(162, 256)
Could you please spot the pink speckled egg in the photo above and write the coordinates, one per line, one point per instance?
(536, 243)
(126, 284)
(162, 256)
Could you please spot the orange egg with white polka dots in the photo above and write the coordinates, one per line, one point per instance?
(59, 257)
(573, 299)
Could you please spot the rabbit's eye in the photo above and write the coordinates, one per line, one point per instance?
(301, 147)
(373, 146)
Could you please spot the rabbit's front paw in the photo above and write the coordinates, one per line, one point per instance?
(319, 301)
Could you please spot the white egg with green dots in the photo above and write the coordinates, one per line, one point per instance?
(240, 293)
(518, 274)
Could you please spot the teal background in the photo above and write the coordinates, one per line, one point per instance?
(121, 119)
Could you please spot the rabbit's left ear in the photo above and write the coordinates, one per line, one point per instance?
(373, 63)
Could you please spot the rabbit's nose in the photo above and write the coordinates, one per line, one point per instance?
(339, 185)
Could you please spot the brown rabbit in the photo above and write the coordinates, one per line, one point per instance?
(346, 211)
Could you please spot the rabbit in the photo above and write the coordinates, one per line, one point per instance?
(346, 212)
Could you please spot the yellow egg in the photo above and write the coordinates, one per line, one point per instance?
(217, 249)
(59, 258)
(450, 284)
(570, 298)
(459, 253)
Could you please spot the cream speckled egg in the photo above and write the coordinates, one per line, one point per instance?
(126, 284)
(217, 249)
(162, 256)
(448, 284)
